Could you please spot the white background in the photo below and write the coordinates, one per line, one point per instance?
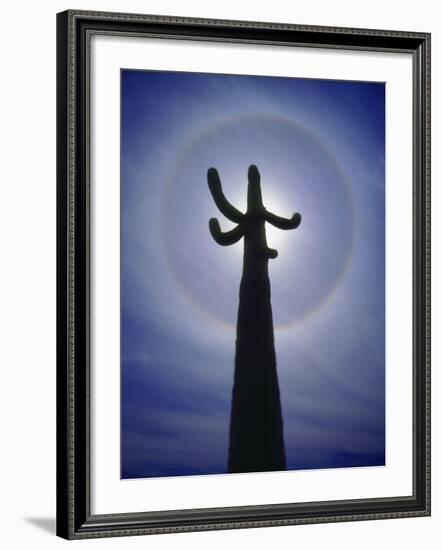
(108, 493)
(27, 289)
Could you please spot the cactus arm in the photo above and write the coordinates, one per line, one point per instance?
(227, 238)
(224, 206)
(283, 223)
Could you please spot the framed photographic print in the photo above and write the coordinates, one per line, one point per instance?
(243, 274)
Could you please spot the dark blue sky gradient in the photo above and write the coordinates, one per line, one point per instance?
(320, 148)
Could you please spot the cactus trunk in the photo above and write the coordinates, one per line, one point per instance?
(256, 431)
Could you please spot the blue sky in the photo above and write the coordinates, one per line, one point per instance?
(320, 149)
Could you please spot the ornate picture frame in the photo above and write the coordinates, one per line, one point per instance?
(76, 381)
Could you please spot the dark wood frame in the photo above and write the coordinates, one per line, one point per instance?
(74, 519)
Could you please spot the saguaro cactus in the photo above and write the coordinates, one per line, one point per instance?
(256, 431)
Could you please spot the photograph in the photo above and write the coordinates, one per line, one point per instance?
(223, 261)
(252, 273)
(243, 271)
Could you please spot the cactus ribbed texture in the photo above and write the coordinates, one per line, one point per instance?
(256, 430)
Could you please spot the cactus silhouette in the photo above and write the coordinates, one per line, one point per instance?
(256, 430)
